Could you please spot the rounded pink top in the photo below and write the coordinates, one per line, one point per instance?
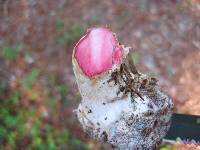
(97, 51)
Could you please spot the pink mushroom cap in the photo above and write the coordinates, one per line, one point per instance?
(98, 51)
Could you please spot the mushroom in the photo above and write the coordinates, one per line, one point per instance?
(119, 104)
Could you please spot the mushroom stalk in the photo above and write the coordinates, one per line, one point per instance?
(119, 105)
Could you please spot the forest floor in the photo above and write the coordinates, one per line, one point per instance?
(36, 43)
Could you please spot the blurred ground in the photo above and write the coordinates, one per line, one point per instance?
(38, 91)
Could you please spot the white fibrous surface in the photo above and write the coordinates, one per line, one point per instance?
(126, 121)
